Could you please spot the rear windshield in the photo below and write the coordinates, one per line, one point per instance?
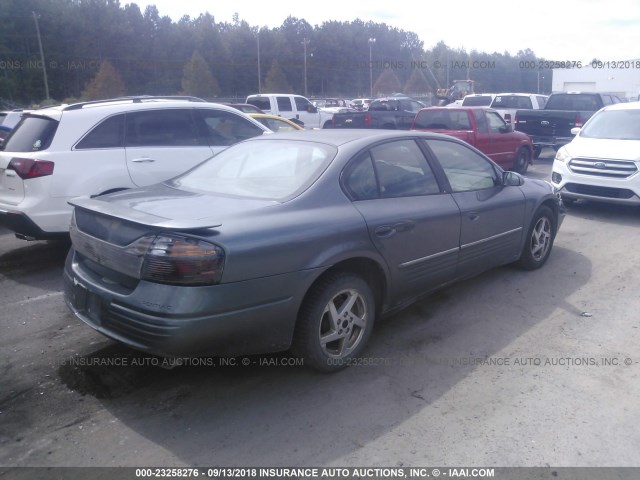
(572, 102)
(481, 101)
(271, 169)
(442, 119)
(262, 103)
(512, 101)
(32, 134)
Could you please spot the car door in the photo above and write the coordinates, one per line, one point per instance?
(306, 112)
(503, 145)
(492, 215)
(162, 143)
(412, 223)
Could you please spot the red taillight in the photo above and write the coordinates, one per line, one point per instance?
(28, 168)
(507, 117)
(367, 120)
(183, 261)
(333, 121)
(515, 120)
(578, 120)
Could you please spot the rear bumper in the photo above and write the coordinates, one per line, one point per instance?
(24, 227)
(553, 142)
(254, 316)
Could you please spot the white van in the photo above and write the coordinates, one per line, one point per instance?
(293, 107)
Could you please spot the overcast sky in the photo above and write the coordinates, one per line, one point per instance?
(569, 30)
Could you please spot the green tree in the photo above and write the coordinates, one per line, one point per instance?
(106, 84)
(197, 79)
(276, 82)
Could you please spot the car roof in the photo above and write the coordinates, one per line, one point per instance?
(129, 103)
(338, 137)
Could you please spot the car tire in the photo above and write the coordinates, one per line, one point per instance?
(521, 162)
(539, 240)
(335, 322)
(327, 124)
(536, 152)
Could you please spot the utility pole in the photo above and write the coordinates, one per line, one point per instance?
(305, 42)
(371, 42)
(44, 67)
(259, 79)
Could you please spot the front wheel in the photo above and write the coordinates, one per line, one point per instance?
(539, 240)
(335, 322)
(536, 152)
(521, 162)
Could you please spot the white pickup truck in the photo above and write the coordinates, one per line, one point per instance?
(292, 107)
(507, 103)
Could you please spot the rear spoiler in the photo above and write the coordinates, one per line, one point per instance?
(142, 218)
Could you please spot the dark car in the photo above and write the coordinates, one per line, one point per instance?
(299, 240)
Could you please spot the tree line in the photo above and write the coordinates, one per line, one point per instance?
(98, 48)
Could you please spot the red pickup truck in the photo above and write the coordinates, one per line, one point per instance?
(482, 128)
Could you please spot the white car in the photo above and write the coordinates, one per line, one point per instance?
(94, 148)
(602, 162)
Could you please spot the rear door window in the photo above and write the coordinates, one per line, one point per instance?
(161, 128)
(32, 134)
(284, 104)
(108, 134)
(220, 128)
(263, 103)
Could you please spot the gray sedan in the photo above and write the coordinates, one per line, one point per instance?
(299, 241)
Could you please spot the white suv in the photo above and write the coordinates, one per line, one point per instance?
(93, 148)
(601, 163)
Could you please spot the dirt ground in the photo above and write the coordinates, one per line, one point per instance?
(511, 368)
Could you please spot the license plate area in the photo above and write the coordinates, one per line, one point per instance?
(84, 301)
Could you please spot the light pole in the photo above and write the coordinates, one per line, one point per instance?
(371, 42)
(305, 42)
(44, 67)
(259, 79)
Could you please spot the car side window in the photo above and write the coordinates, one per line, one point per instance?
(465, 169)
(161, 128)
(107, 134)
(495, 122)
(360, 179)
(302, 104)
(284, 104)
(402, 170)
(263, 103)
(223, 128)
(481, 121)
(606, 100)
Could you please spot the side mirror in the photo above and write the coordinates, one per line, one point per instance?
(506, 128)
(512, 179)
(575, 130)
(312, 109)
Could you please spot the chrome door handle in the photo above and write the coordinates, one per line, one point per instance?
(143, 160)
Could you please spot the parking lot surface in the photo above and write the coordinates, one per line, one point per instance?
(510, 368)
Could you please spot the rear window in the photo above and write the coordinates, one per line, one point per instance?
(479, 101)
(32, 134)
(572, 102)
(271, 169)
(512, 101)
(442, 119)
(262, 103)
